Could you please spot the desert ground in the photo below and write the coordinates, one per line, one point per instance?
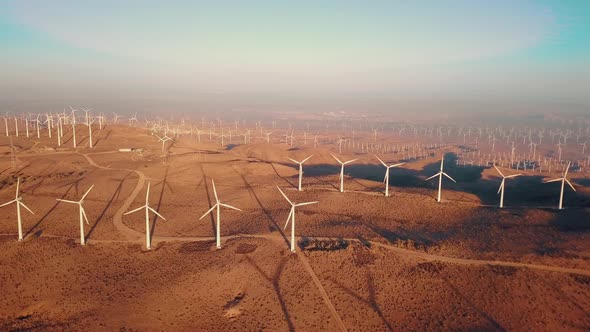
(363, 262)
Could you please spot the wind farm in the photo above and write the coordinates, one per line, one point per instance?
(249, 173)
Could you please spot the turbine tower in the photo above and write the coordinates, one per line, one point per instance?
(146, 206)
(440, 177)
(563, 181)
(502, 185)
(300, 168)
(291, 217)
(18, 200)
(217, 206)
(81, 212)
(342, 170)
(386, 179)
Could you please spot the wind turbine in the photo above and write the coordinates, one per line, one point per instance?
(116, 117)
(89, 124)
(268, 136)
(300, 168)
(18, 200)
(291, 217)
(6, 125)
(82, 213)
(563, 181)
(16, 125)
(440, 175)
(342, 171)
(386, 179)
(163, 140)
(339, 143)
(74, 126)
(146, 206)
(217, 206)
(502, 185)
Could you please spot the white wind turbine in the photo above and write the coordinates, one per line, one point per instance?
(268, 136)
(218, 206)
(386, 179)
(6, 125)
(342, 170)
(16, 125)
(89, 124)
(440, 176)
(146, 206)
(291, 217)
(116, 117)
(18, 200)
(563, 181)
(49, 122)
(300, 168)
(74, 126)
(163, 140)
(502, 185)
(81, 212)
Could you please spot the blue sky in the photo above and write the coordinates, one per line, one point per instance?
(416, 49)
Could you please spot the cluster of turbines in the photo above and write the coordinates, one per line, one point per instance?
(510, 147)
(291, 218)
(219, 131)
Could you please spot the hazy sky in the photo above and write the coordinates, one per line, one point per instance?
(526, 50)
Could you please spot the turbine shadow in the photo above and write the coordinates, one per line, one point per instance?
(51, 209)
(480, 311)
(211, 218)
(114, 197)
(274, 226)
(155, 218)
(370, 301)
(274, 280)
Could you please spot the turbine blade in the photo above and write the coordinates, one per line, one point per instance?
(432, 177)
(86, 193)
(215, 191)
(333, 156)
(306, 203)
(571, 185)
(84, 215)
(287, 198)
(513, 176)
(147, 194)
(26, 207)
(230, 207)
(567, 169)
(445, 174)
(293, 160)
(497, 169)
(381, 161)
(17, 187)
(7, 203)
(206, 213)
(350, 161)
(289, 217)
(67, 201)
(553, 180)
(156, 212)
(134, 210)
(501, 186)
(306, 159)
(396, 165)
